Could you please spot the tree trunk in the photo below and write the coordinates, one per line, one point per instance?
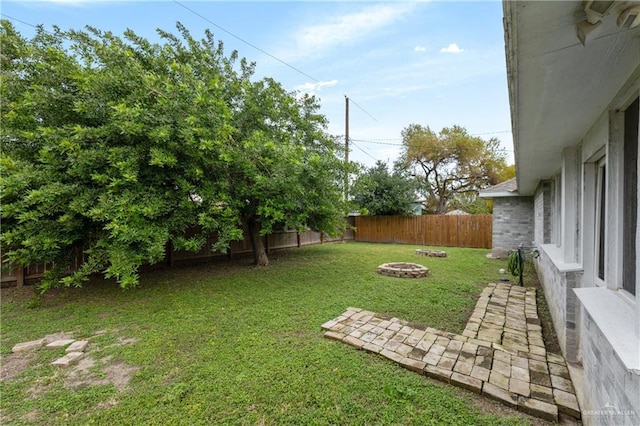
(259, 251)
(443, 206)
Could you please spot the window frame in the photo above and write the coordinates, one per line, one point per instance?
(600, 223)
(628, 281)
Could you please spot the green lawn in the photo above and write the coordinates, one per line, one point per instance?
(227, 343)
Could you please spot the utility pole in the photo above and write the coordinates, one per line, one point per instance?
(346, 147)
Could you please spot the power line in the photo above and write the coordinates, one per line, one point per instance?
(231, 34)
(491, 133)
(363, 110)
(388, 140)
(365, 152)
(376, 142)
(212, 23)
(265, 52)
(26, 23)
(247, 42)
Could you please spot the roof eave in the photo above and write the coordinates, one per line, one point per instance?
(511, 53)
(501, 194)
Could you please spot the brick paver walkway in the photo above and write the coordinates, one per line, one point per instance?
(501, 353)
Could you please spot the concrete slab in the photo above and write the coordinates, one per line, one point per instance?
(57, 344)
(28, 346)
(77, 346)
(68, 359)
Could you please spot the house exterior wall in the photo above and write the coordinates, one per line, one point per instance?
(575, 124)
(611, 392)
(513, 224)
(558, 281)
(542, 214)
(604, 338)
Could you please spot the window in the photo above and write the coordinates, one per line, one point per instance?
(600, 222)
(630, 197)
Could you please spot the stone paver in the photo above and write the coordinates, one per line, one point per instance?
(27, 346)
(500, 354)
(61, 343)
(68, 359)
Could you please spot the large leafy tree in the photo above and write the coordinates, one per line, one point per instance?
(283, 170)
(117, 146)
(450, 163)
(378, 192)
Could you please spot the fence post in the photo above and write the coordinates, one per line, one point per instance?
(169, 249)
(20, 276)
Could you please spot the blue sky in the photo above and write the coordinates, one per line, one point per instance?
(433, 63)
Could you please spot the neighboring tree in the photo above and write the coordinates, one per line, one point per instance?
(377, 192)
(449, 163)
(507, 173)
(471, 203)
(117, 146)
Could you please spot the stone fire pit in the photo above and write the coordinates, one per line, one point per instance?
(403, 270)
(431, 253)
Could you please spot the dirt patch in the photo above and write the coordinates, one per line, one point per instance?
(119, 374)
(14, 364)
(81, 376)
(87, 372)
(84, 374)
(30, 417)
(41, 386)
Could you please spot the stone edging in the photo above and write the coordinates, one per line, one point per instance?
(403, 270)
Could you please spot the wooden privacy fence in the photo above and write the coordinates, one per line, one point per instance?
(12, 275)
(431, 230)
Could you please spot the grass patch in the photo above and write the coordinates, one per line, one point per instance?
(227, 343)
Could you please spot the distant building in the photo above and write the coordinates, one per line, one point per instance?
(418, 207)
(512, 217)
(456, 212)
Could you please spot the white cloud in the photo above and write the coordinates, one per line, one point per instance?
(419, 49)
(315, 87)
(452, 48)
(349, 28)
